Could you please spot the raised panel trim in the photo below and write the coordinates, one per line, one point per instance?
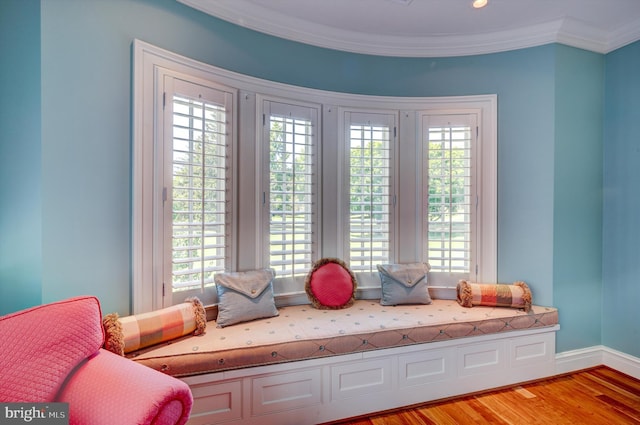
(285, 391)
(356, 379)
(531, 350)
(481, 358)
(425, 367)
(216, 402)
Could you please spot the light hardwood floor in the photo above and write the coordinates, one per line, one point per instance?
(594, 396)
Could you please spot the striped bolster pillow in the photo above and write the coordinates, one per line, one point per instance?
(517, 295)
(126, 334)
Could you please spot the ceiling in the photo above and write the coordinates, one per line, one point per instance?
(435, 28)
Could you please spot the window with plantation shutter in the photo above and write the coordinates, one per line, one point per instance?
(233, 173)
(197, 190)
(369, 143)
(451, 197)
(290, 195)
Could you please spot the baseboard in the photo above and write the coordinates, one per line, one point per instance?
(584, 358)
(623, 362)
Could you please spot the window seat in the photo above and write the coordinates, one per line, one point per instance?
(302, 332)
(308, 366)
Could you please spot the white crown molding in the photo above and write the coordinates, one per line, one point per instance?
(577, 34)
(624, 35)
(565, 31)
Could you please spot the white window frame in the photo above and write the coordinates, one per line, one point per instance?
(246, 227)
(149, 287)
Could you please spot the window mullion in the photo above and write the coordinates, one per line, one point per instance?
(203, 225)
(371, 204)
(450, 177)
(293, 195)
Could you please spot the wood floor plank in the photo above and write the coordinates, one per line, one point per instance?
(513, 408)
(626, 382)
(598, 396)
(524, 392)
(609, 391)
(435, 416)
(406, 417)
(470, 410)
(625, 409)
(360, 421)
(579, 400)
(619, 385)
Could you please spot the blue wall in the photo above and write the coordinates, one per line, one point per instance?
(20, 156)
(86, 125)
(85, 175)
(577, 246)
(621, 218)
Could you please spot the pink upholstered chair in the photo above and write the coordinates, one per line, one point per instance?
(52, 353)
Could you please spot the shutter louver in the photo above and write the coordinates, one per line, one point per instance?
(370, 191)
(449, 199)
(291, 190)
(199, 192)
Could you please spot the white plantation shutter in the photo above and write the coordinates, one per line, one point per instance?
(290, 198)
(369, 143)
(451, 196)
(197, 188)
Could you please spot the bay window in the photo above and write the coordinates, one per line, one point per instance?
(233, 173)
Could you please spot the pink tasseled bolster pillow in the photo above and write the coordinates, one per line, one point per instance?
(126, 334)
(517, 295)
(330, 284)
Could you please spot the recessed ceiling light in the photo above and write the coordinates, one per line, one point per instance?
(479, 3)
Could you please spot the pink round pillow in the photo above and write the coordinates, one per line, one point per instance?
(330, 284)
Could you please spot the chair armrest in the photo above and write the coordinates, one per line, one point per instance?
(109, 389)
